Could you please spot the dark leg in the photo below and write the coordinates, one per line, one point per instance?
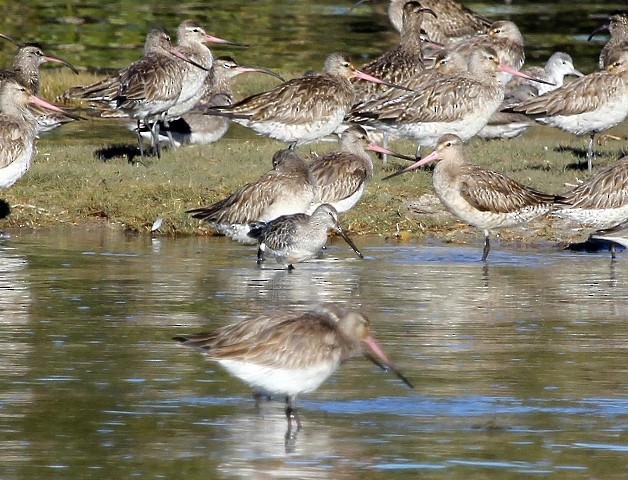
(169, 133)
(612, 250)
(291, 411)
(487, 246)
(260, 252)
(290, 267)
(292, 146)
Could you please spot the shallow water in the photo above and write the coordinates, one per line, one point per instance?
(519, 368)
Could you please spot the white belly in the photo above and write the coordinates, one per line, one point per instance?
(280, 381)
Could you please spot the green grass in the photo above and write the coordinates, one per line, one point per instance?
(68, 185)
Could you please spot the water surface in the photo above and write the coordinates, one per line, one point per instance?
(520, 369)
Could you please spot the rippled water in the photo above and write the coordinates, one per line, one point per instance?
(520, 369)
(282, 34)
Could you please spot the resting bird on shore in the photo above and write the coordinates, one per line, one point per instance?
(303, 109)
(18, 129)
(453, 21)
(460, 103)
(398, 64)
(195, 127)
(588, 105)
(601, 201)
(618, 28)
(505, 38)
(287, 189)
(341, 176)
(558, 65)
(480, 197)
(25, 70)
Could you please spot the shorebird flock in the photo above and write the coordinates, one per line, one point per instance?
(453, 75)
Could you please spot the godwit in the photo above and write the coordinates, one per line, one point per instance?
(303, 109)
(197, 128)
(557, 67)
(453, 21)
(26, 63)
(18, 129)
(398, 64)
(190, 42)
(289, 353)
(588, 105)
(480, 197)
(446, 63)
(459, 104)
(25, 69)
(505, 38)
(157, 42)
(286, 189)
(165, 85)
(601, 202)
(618, 28)
(341, 176)
(299, 237)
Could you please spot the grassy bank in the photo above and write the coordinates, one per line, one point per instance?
(68, 185)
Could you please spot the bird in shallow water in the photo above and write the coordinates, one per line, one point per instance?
(480, 197)
(299, 237)
(289, 353)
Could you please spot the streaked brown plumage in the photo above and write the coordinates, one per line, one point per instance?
(590, 104)
(505, 38)
(453, 21)
(601, 201)
(446, 63)
(299, 237)
(300, 110)
(618, 28)
(288, 352)
(398, 64)
(342, 175)
(480, 197)
(461, 103)
(286, 189)
(197, 128)
(18, 129)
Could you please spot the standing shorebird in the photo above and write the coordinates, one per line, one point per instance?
(400, 63)
(618, 28)
(190, 42)
(461, 103)
(341, 176)
(480, 197)
(290, 353)
(18, 129)
(299, 237)
(453, 22)
(600, 202)
(303, 109)
(197, 128)
(505, 38)
(588, 105)
(287, 189)
(504, 123)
